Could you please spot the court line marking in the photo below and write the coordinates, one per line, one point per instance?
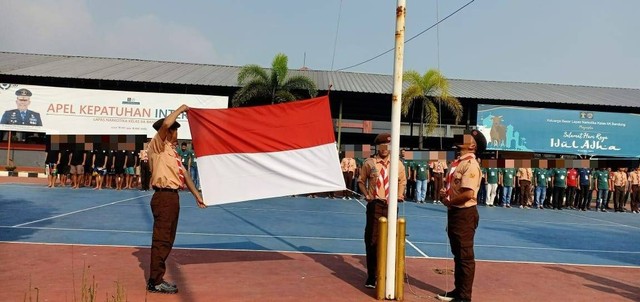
(601, 220)
(185, 233)
(405, 240)
(539, 248)
(80, 211)
(321, 253)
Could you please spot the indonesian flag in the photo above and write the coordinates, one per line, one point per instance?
(265, 151)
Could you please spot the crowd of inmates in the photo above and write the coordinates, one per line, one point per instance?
(579, 188)
(108, 169)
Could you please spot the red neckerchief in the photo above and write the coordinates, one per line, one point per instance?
(453, 168)
(383, 176)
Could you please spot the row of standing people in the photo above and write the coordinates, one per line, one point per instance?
(561, 188)
(119, 169)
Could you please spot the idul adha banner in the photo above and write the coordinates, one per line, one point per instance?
(560, 131)
(72, 111)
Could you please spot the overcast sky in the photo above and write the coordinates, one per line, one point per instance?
(578, 42)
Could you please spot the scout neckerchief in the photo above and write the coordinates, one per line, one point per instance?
(453, 168)
(383, 180)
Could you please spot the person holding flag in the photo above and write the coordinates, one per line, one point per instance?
(374, 184)
(459, 195)
(168, 176)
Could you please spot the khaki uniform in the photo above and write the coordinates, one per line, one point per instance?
(634, 180)
(348, 166)
(165, 171)
(467, 175)
(376, 208)
(438, 177)
(165, 203)
(524, 180)
(462, 221)
(619, 186)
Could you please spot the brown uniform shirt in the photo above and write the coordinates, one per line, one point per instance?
(165, 171)
(438, 167)
(369, 177)
(348, 164)
(619, 179)
(634, 178)
(466, 175)
(524, 174)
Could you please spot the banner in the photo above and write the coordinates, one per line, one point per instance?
(266, 151)
(559, 131)
(54, 110)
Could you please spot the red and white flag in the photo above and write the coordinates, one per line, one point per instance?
(265, 151)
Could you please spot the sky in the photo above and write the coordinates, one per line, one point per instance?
(574, 42)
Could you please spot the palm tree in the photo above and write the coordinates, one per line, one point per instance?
(431, 89)
(262, 86)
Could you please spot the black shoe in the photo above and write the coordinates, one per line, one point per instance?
(371, 283)
(448, 296)
(163, 288)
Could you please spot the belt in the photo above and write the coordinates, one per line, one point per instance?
(165, 190)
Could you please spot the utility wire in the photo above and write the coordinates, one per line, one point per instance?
(408, 40)
(335, 40)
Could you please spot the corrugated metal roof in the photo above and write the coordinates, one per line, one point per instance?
(75, 67)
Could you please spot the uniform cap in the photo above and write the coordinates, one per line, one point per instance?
(158, 124)
(382, 138)
(478, 137)
(23, 92)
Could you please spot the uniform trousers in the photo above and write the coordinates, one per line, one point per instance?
(437, 185)
(618, 195)
(525, 193)
(635, 197)
(461, 228)
(165, 207)
(375, 209)
(348, 181)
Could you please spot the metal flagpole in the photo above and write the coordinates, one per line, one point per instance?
(396, 101)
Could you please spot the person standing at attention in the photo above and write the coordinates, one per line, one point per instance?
(462, 185)
(374, 185)
(168, 175)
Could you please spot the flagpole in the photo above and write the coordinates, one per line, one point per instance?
(396, 101)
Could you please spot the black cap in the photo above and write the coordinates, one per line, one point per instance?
(158, 124)
(382, 138)
(23, 92)
(478, 137)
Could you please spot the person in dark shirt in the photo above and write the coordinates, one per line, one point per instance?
(130, 163)
(63, 166)
(51, 163)
(88, 168)
(100, 166)
(111, 169)
(119, 158)
(77, 167)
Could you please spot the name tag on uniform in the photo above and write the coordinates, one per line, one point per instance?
(561, 176)
(421, 168)
(543, 177)
(509, 175)
(493, 173)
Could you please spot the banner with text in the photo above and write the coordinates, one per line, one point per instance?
(56, 110)
(559, 131)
